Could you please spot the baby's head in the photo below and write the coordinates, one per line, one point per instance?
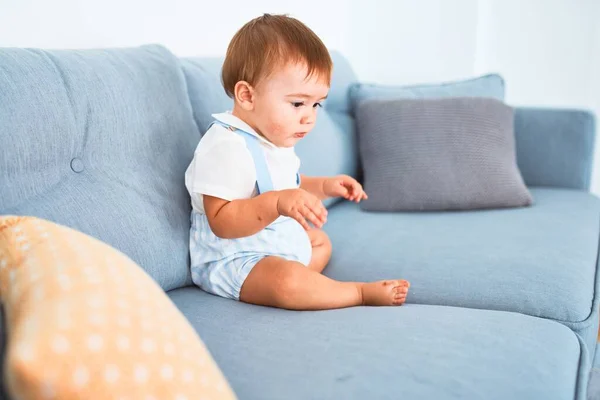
(278, 72)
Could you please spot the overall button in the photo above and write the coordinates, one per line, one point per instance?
(77, 165)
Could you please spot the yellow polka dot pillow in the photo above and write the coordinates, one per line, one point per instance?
(85, 322)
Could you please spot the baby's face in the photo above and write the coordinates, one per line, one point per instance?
(286, 104)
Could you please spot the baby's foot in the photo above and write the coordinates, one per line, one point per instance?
(384, 293)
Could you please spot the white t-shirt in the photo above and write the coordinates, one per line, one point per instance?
(223, 166)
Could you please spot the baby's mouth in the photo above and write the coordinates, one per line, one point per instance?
(300, 135)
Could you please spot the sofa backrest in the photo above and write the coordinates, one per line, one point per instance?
(99, 140)
(330, 148)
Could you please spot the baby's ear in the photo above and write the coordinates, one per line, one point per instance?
(244, 95)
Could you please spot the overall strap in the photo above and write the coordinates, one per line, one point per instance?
(263, 178)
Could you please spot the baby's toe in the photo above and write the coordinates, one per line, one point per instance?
(399, 300)
(398, 283)
(401, 290)
(400, 293)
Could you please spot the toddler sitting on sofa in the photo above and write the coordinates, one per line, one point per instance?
(250, 237)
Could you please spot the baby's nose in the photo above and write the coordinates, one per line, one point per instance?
(307, 119)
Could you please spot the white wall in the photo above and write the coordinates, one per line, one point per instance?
(548, 50)
(186, 27)
(407, 41)
(542, 47)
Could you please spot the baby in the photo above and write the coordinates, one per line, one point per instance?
(251, 237)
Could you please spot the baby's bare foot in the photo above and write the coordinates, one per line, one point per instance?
(384, 293)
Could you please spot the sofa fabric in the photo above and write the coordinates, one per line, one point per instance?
(413, 351)
(490, 86)
(439, 154)
(99, 140)
(555, 147)
(516, 260)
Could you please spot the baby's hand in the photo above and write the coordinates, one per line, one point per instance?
(344, 186)
(302, 206)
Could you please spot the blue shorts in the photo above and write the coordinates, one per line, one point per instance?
(220, 266)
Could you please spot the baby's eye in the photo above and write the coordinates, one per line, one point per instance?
(298, 104)
(318, 105)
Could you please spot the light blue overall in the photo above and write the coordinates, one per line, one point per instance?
(220, 266)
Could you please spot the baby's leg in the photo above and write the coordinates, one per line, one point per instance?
(287, 284)
(321, 249)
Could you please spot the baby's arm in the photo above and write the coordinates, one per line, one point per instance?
(241, 218)
(314, 185)
(337, 186)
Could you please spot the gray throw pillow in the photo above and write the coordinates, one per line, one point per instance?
(439, 154)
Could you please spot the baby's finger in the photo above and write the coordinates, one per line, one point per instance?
(342, 190)
(321, 218)
(318, 209)
(323, 211)
(360, 196)
(358, 191)
(352, 195)
(348, 195)
(298, 217)
(310, 215)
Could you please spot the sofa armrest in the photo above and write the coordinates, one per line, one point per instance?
(555, 147)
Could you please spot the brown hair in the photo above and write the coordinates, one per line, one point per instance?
(270, 41)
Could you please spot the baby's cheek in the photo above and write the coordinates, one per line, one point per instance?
(276, 128)
(283, 120)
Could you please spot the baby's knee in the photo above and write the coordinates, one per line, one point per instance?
(319, 238)
(289, 283)
(326, 246)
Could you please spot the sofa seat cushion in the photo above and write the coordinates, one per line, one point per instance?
(413, 351)
(539, 261)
